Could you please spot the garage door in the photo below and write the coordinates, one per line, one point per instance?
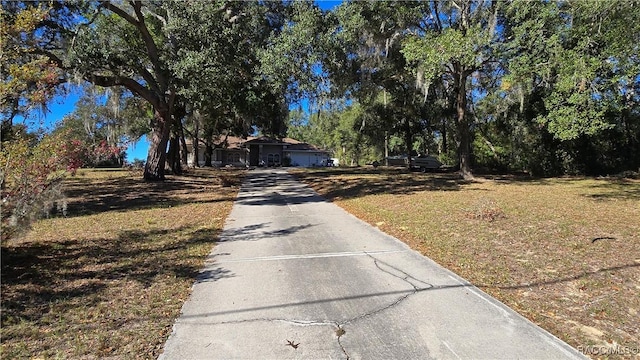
(306, 159)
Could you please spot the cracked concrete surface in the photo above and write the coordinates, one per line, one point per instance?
(292, 268)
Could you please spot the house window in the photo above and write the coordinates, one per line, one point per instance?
(233, 158)
(273, 160)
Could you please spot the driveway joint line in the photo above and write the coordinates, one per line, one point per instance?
(302, 323)
(310, 256)
(380, 264)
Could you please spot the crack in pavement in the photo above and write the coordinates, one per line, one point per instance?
(416, 284)
(397, 273)
(333, 324)
(339, 332)
(404, 277)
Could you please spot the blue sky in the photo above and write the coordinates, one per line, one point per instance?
(64, 105)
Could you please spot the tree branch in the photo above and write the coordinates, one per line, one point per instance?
(132, 85)
(158, 83)
(120, 12)
(152, 48)
(83, 25)
(51, 56)
(148, 77)
(437, 16)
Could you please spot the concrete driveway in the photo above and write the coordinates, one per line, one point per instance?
(296, 277)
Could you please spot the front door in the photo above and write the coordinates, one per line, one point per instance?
(254, 155)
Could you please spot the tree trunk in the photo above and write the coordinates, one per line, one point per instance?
(174, 154)
(184, 152)
(6, 129)
(196, 140)
(208, 154)
(445, 148)
(408, 141)
(157, 155)
(386, 148)
(464, 149)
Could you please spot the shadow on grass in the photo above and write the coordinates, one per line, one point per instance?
(518, 180)
(353, 183)
(38, 276)
(561, 280)
(348, 183)
(92, 196)
(605, 188)
(616, 190)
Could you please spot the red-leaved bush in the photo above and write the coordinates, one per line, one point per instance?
(103, 153)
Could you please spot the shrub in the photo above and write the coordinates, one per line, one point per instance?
(31, 174)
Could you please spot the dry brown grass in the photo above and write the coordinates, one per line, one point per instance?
(109, 280)
(563, 252)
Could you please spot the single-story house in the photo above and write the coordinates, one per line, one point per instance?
(260, 151)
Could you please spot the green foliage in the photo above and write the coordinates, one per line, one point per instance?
(110, 115)
(569, 86)
(458, 40)
(339, 131)
(219, 63)
(30, 178)
(297, 127)
(106, 123)
(293, 52)
(574, 51)
(372, 71)
(437, 50)
(29, 80)
(545, 87)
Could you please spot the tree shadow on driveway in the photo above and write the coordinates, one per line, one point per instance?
(257, 232)
(410, 291)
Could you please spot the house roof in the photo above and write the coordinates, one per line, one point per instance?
(262, 140)
(303, 147)
(238, 143)
(231, 142)
(225, 142)
(291, 144)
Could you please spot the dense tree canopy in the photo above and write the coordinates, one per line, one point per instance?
(537, 86)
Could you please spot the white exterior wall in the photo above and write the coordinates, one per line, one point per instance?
(298, 158)
(235, 158)
(190, 157)
(307, 158)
